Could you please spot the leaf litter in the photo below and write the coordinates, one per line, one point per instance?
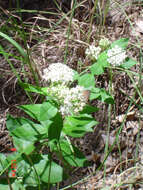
(124, 164)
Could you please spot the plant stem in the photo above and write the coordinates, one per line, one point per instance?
(91, 21)
(109, 118)
(106, 9)
(10, 187)
(49, 174)
(28, 157)
(69, 31)
(109, 151)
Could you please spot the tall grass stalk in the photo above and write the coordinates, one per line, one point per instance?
(105, 12)
(91, 20)
(64, 16)
(69, 30)
(6, 55)
(25, 56)
(14, 70)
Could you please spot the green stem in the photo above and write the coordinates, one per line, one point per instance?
(49, 173)
(28, 157)
(109, 151)
(10, 186)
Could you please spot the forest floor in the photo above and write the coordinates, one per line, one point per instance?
(124, 164)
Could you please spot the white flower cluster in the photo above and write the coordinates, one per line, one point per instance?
(116, 55)
(104, 42)
(58, 72)
(71, 100)
(93, 52)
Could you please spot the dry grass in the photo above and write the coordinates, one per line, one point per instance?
(47, 37)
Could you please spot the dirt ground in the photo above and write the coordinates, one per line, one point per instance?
(126, 169)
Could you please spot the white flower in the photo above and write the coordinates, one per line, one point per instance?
(76, 110)
(70, 100)
(58, 72)
(116, 55)
(104, 42)
(64, 110)
(93, 52)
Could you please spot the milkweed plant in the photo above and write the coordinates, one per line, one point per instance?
(65, 113)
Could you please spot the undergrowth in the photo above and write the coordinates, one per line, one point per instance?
(44, 154)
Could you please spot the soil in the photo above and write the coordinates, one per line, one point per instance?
(119, 169)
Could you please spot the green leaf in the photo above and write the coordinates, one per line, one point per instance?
(77, 126)
(31, 179)
(12, 156)
(15, 183)
(6, 163)
(4, 185)
(101, 94)
(36, 89)
(47, 170)
(3, 161)
(102, 59)
(43, 129)
(12, 123)
(23, 145)
(96, 69)
(40, 112)
(73, 156)
(123, 43)
(128, 63)
(47, 111)
(106, 97)
(25, 129)
(29, 131)
(14, 43)
(3, 165)
(89, 109)
(94, 93)
(76, 75)
(22, 168)
(33, 110)
(86, 80)
(26, 171)
(25, 132)
(54, 130)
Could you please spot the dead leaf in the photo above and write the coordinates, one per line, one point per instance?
(130, 116)
(139, 25)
